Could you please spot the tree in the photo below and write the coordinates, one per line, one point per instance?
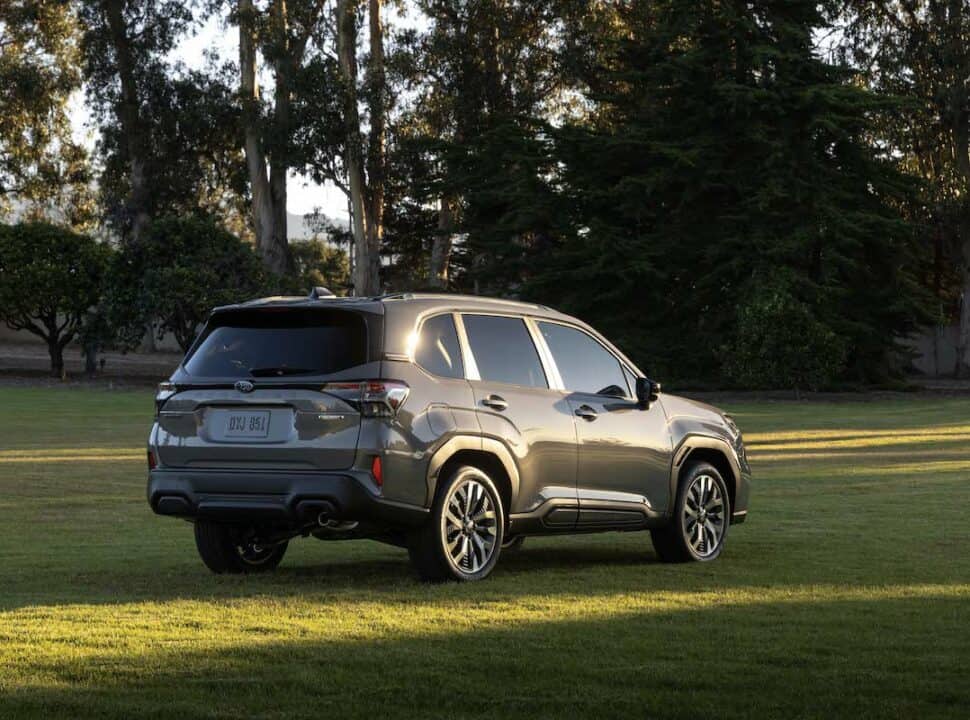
(722, 149)
(40, 164)
(489, 79)
(173, 277)
(124, 48)
(192, 122)
(317, 263)
(364, 153)
(49, 278)
(919, 51)
(282, 33)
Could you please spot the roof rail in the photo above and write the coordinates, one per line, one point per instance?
(459, 296)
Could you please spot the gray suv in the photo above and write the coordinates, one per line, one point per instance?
(453, 426)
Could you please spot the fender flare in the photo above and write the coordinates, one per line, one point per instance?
(695, 441)
(480, 444)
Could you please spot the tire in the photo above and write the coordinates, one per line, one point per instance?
(233, 549)
(702, 491)
(513, 545)
(453, 545)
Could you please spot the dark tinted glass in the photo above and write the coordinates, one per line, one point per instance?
(584, 364)
(504, 351)
(438, 350)
(280, 343)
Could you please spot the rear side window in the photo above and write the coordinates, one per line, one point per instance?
(438, 351)
(504, 351)
(273, 343)
(584, 365)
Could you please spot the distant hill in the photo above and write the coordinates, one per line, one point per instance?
(297, 228)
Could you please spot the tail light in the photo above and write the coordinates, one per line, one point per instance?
(374, 398)
(152, 463)
(164, 392)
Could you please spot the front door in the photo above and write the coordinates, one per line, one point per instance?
(623, 473)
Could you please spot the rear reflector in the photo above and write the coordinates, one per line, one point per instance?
(377, 470)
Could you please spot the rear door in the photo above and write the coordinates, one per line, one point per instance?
(515, 404)
(267, 388)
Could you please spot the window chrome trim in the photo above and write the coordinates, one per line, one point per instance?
(467, 357)
(549, 367)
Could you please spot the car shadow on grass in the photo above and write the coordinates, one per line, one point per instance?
(893, 656)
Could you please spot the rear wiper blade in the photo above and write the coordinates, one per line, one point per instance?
(280, 371)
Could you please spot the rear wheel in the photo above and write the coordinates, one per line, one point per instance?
(234, 549)
(463, 537)
(701, 516)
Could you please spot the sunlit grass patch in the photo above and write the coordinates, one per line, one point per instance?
(846, 594)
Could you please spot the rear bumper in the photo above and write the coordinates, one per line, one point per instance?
(277, 498)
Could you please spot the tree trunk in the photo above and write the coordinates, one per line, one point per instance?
(347, 55)
(56, 353)
(269, 191)
(131, 124)
(442, 244)
(376, 147)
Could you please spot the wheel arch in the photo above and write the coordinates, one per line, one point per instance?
(702, 448)
(487, 454)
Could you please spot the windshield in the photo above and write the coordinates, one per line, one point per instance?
(274, 343)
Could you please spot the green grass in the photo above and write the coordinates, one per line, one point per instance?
(846, 594)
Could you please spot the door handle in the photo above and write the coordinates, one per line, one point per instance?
(495, 402)
(586, 413)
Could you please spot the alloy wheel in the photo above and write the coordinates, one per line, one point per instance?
(468, 526)
(704, 517)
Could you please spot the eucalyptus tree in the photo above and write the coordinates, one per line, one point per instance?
(40, 163)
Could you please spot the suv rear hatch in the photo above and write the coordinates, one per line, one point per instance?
(266, 388)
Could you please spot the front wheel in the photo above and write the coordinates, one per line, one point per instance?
(233, 549)
(463, 536)
(702, 513)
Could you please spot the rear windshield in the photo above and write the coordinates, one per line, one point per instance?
(271, 343)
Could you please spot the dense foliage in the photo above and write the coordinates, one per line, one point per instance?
(693, 178)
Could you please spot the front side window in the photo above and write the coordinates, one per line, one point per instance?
(277, 343)
(437, 350)
(504, 351)
(584, 365)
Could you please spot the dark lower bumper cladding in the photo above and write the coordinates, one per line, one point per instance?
(292, 499)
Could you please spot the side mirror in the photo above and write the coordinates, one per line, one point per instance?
(647, 391)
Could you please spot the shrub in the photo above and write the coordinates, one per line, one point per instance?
(176, 274)
(49, 278)
(780, 344)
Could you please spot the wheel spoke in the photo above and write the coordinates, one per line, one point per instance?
(697, 537)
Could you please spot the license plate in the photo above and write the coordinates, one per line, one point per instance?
(247, 424)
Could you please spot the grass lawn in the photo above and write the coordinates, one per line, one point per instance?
(846, 594)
